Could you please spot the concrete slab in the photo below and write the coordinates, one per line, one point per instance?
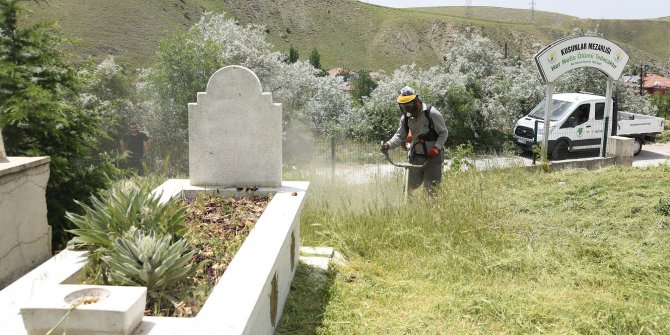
(88, 309)
(317, 251)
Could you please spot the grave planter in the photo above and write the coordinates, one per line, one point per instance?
(85, 310)
(250, 295)
(248, 299)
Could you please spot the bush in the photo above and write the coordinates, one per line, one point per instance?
(150, 260)
(126, 206)
(185, 62)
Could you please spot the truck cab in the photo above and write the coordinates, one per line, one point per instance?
(577, 122)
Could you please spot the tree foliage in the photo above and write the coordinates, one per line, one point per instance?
(42, 114)
(662, 103)
(480, 94)
(185, 62)
(363, 86)
(293, 55)
(111, 86)
(182, 66)
(315, 59)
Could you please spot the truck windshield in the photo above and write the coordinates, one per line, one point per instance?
(559, 109)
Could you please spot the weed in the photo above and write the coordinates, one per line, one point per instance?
(663, 207)
(459, 157)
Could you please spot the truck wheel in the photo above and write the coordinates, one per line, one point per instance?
(637, 146)
(560, 150)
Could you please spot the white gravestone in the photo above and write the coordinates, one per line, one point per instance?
(235, 133)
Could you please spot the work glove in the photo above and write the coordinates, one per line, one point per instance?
(434, 151)
(384, 147)
(409, 137)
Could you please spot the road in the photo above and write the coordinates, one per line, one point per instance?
(652, 154)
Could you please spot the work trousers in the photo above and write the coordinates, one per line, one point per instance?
(430, 175)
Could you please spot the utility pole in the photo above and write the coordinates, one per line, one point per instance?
(468, 9)
(532, 11)
(641, 77)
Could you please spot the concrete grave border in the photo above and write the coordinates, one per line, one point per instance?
(250, 296)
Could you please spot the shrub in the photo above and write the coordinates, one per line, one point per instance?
(150, 260)
(114, 213)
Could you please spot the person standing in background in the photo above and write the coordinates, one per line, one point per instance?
(137, 144)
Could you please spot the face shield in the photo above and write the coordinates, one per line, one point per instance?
(408, 109)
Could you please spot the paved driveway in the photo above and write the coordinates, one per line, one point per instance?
(653, 154)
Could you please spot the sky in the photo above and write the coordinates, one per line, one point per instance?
(592, 9)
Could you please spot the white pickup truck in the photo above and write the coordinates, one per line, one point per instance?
(577, 122)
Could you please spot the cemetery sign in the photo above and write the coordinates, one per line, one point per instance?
(585, 51)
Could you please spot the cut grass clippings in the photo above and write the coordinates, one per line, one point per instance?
(217, 227)
(496, 252)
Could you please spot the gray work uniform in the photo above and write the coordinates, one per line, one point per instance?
(431, 174)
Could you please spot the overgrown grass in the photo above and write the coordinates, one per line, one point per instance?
(502, 251)
(664, 137)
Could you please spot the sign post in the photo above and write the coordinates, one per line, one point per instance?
(608, 112)
(547, 120)
(571, 53)
(3, 155)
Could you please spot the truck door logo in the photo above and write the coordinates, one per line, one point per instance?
(579, 131)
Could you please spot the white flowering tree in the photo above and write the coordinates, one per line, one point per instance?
(480, 94)
(111, 90)
(592, 81)
(474, 89)
(186, 61)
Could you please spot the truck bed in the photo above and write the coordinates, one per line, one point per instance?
(638, 124)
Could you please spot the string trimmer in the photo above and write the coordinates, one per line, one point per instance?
(402, 165)
(406, 166)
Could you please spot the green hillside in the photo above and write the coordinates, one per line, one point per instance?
(130, 29)
(347, 33)
(497, 14)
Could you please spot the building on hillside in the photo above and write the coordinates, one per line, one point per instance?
(652, 84)
(349, 77)
(340, 71)
(655, 84)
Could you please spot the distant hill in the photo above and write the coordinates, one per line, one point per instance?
(129, 29)
(503, 15)
(347, 33)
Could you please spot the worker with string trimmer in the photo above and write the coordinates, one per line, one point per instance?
(423, 127)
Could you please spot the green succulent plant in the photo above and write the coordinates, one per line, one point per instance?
(125, 206)
(150, 260)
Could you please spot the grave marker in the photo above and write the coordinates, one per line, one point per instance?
(235, 133)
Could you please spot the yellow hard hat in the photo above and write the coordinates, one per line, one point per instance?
(407, 94)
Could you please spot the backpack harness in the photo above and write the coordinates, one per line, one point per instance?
(431, 135)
